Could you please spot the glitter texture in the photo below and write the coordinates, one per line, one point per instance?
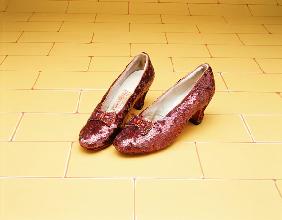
(142, 136)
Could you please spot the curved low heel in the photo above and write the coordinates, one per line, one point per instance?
(197, 118)
(140, 102)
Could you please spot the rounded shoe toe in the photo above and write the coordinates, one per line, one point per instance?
(95, 136)
(129, 141)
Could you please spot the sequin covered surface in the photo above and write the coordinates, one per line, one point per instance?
(102, 126)
(141, 135)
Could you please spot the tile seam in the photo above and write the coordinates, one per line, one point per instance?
(247, 128)
(68, 160)
(16, 128)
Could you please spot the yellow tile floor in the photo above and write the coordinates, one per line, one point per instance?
(57, 58)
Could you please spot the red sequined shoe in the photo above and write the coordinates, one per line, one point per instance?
(127, 91)
(158, 125)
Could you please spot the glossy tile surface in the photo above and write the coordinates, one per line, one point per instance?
(208, 199)
(81, 197)
(57, 60)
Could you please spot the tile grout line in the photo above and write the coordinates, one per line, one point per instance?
(161, 19)
(173, 70)
(32, 14)
(208, 50)
(4, 59)
(239, 39)
(62, 22)
(199, 159)
(92, 38)
(189, 12)
(68, 160)
(88, 66)
(250, 10)
(247, 128)
(19, 37)
(17, 126)
(32, 88)
(165, 34)
(130, 44)
(78, 101)
(276, 186)
(225, 20)
(221, 76)
(254, 59)
(53, 44)
(263, 25)
(198, 29)
(95, 18)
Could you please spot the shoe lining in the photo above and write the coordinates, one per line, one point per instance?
(174, 96)
(126, 84)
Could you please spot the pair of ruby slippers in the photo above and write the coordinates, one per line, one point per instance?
(159, 124)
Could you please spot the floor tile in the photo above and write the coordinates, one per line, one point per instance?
(25, 48)
(50, 127)
(98, 7)
(246, 51)
(257, 161)
(128, 18)
(10, 16)
(29, 26)
(265, 127)
(178, 19)
(144, 28)
(93, 49)
(109, 64)
(129, 37)
(63, 17)
(261, 39)
(37, 101)
(250, 2)
(34, 158)
(217, 128)
(41, 63)
(78, 196)
(274, 29)
(75, 80)
(37, 6)
(210, 199)
(223, 65)
(9, 37)
(156, 8)
(70, 37)
(266, 10)
(270, 65)
(253, 20)
(231, 28)
(254, 83)
(95, 27)
(193, 38)
(218, 9)
(167, 163)
(8, 122)
(171, 50)
(245, 102)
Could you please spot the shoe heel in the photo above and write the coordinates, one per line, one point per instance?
(197, 118)
(140, 102)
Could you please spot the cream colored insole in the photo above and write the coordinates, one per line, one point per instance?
(125, 90)
(166, 106)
